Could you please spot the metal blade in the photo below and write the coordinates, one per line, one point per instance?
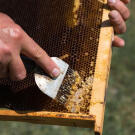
(48, 85)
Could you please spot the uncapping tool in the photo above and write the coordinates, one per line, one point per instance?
(58, 88)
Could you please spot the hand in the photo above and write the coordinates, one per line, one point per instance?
(119, 14)
(13, 42)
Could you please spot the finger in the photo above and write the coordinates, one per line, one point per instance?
(17, 69)
(35, 52)
(117, 22)
(118, 42)
(126, 1)
(120, 7)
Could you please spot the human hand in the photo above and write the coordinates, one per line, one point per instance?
(119, 14)
(13, 42)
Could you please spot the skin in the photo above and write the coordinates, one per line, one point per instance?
(14, 41)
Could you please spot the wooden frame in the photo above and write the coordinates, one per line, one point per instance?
(96, 115)
(97, 107)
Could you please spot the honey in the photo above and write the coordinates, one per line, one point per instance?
(79, 100)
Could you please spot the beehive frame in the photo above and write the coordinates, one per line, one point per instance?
(96, 117)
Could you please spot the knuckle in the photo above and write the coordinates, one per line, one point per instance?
(38, 54)
(13, 31)
(116, 19)
(6, 51)
(114, 15)
(16, 32)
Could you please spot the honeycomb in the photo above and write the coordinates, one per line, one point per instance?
(68, 29)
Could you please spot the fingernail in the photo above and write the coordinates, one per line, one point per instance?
(55, 72)
(112, 1)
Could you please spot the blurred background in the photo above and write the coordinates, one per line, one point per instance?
(120, 107)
